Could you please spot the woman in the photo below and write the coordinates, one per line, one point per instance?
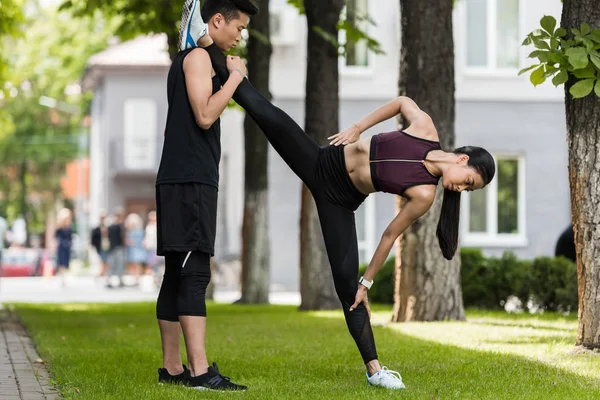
(64, 239)
(340, 176)
(136, 253)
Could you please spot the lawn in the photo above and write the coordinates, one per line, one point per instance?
(113, 351)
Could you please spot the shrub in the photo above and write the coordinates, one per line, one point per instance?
(382, 290)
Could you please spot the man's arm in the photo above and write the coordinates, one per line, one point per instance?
(207, 107)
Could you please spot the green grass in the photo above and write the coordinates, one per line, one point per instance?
(113, 352)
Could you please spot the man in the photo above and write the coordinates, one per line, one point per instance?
(99, 240)
(116, 247)
(187, 184)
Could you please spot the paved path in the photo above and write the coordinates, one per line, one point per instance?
(23, 375)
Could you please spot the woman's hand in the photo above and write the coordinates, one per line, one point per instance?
(361, 297)
(347, 136)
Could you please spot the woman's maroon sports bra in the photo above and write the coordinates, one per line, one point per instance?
(397, 161)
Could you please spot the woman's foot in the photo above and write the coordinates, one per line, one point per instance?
(386, 378)
(193, 28)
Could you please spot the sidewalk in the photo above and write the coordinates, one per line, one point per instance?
(23, 375)
(87, 289)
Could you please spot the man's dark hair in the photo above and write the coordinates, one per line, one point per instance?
(230, 9)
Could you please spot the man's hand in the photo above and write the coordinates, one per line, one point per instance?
(347, 136)
(236, 63)
(361, 297)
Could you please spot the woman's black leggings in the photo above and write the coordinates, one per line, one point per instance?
(324, 173)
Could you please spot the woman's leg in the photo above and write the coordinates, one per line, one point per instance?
(339, 233)
(296, 148)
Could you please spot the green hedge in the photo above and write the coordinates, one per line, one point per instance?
(550, 283)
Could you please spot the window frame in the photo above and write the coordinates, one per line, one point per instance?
(492, 60)
(491, 238)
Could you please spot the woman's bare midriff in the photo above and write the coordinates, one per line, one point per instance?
(358, 165)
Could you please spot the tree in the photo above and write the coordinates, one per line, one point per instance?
(570, 55)
(42, 140)
(255, 241)
(11, 18)
(583, 138)
(429, 287)
(321, 120)
(136, 17)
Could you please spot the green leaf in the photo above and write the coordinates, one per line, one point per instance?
(66, 5)
(578, 57)
(542, 55)
(582, 88)
(585, 29)
(527, 41)
(576, 32)
(540, 34)
(550, 71)
(553, 43)
(521, 72)
(299, 5)
(588, 72)
(559, 58)
(537, 77)
(597, 88)
(541, 44)
(595, 35)
(596, 60)
(548, 23)
(560, 32)
(589, 45)
(560, 78)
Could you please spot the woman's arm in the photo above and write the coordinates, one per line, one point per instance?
(400, 105)
(412, 210)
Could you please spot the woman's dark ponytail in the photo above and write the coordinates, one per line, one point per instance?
(447, 229)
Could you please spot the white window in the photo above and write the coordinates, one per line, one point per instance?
(140, 134)
(365, 229)
(492, 34)
(357, 53)
(495, 215)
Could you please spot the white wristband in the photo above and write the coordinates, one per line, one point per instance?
(365, 282)
(238, 70)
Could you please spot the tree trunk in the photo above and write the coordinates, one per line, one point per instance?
(255, 241)
(583, 137)
(430, 286)
(321, 120)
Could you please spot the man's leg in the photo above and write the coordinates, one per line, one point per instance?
(191, 307)
(166, 313)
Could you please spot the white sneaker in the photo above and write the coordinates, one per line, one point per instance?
(192, 26)
(387, 379)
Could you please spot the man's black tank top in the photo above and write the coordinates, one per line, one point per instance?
(190, 153)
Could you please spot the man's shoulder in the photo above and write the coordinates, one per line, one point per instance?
(196, 58)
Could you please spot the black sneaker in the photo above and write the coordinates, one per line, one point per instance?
(213, 380)
(165, 377)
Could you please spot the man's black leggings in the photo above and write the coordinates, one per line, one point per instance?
(323, 170)
(183, 289)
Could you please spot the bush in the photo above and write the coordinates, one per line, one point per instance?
(551, 283)
(382, 290)
(554, 283)
(488, 282)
